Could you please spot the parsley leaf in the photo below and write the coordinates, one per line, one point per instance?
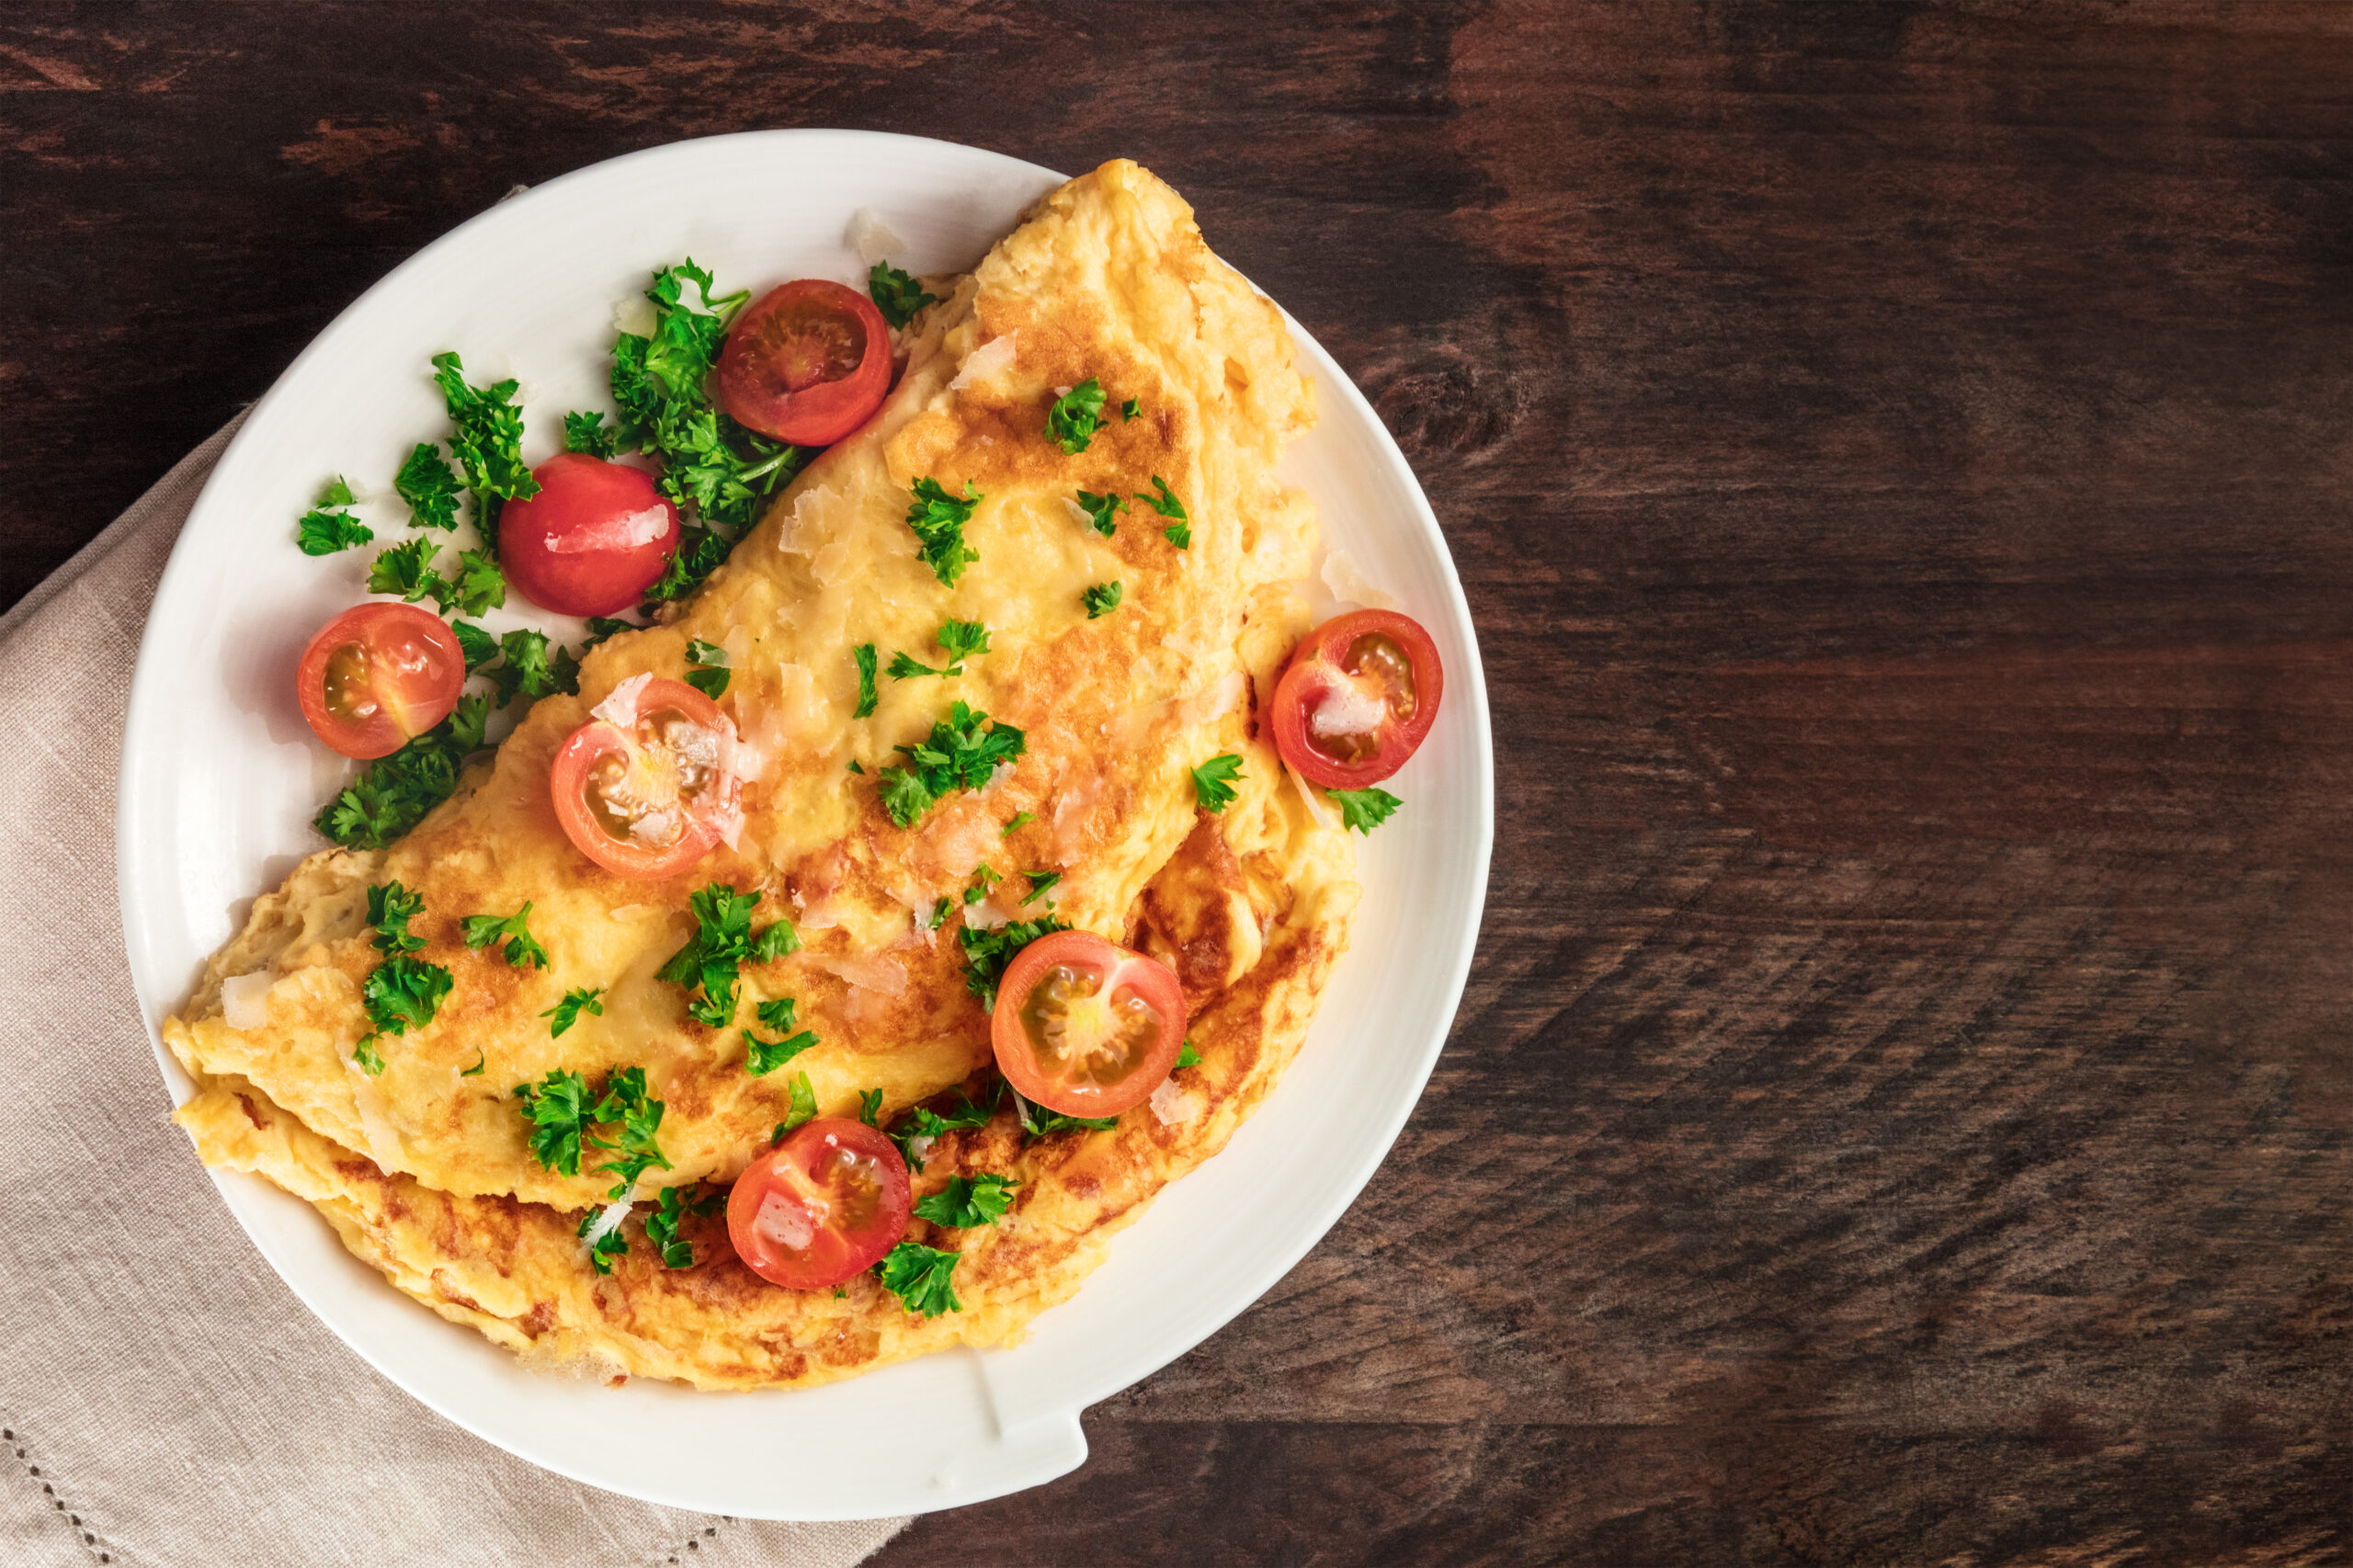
(522, 949)
(1129, 409)
(481, 1060)
(919, 1277)
(764, 1056)
(864, 654)
(601, 627)
(488, 443)
(1021, 819)
(1365, 810)
(957, 755)
(804, 1108)
(579, 1000)
(709, 675)
(406, 570)
(1213, 782)
(625, 1107)
(869, 1105)
(662, 1228)
(389, 909)
(403, 994)
(587, 433)
(479, 646)
(530, 672)
(425, 482)
(986, 953)
(713, 957)
(1037, 1121)
(895, 294)
(983, 878)
(557, 1108)
(927, 1126)
(968, 1201)
(1099, 510)
(1040, 883)
(396, 792)
(939, 519)
(327, 527)
(1187, 1057)
(1179, 532)
(963, 639)
(1076, 417)
(366, 1057)
(1101, 599)
(479, 586)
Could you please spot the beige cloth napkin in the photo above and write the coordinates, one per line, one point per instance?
(165, 1400)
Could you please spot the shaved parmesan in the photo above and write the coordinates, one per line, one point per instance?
(1348, 583)
(919, 1149)
(1317, 808)
(634, 315)
(870, 973)
(870, 237)
(245, 1000)
(798, 535)
(620, 708)
(986, 360)
(984, 915)
(1171, 1105)
(1078, 514)
(608, 1223)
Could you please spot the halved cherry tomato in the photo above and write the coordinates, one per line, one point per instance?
(1358, 694)
(648, 799)
(377, 675)
(820, 1207)
(1086, 1028)
(594, 538)
(807, 363)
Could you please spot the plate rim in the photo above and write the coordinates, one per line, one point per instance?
(1057, 1439)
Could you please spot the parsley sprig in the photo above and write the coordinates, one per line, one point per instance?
(396, 792)
(526, 669)
(708, 673)
(1101, 599)
(986, 953)
(1076, 417)
(522, 949)
(804, 1108)
(1213, 782)
(958, 755)
(1178, 533)
(429, 487)
(895, 294)
(961, 638)
(404, 991)
(670, 1210)
(713, 958)
(866, 697)
(566, 1011)
(1100, 510)
(764, 1056)
(919, 1275)
(587, 433)
(939, 519)
(488, 443)
(968, 1201)
(328, 526)
(921, 1123)
(1365, 810)
(564, 1117)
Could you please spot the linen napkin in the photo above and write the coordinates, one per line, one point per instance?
(165, 1400)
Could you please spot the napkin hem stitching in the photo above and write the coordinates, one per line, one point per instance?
(96, 1548)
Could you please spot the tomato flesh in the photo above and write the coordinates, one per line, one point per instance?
(821, 1207)
(1086, 1028)
(807, 363)
(595, 538)
(649, 799)
(1357, 698)
(378, 675)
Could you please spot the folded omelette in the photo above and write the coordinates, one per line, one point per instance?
(424, 1169)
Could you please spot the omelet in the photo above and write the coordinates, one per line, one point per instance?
(425, 1169)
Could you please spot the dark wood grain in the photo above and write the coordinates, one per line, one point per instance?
(1901, 460)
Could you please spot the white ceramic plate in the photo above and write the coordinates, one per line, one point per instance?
(220, 776)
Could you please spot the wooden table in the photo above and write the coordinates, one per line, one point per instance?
(1901, 460)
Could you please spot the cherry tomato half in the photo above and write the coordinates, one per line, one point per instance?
(645, 800)
(1357, 697)
(377, 675)
(1084, 1027)
(594, 538)
(820, 1207)
(807, 363)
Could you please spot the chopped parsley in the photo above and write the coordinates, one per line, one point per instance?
(919, 1277)
(529, 671)
(709, 674)
(1076, 417)
(895, 294)
(1365, 810)
(587, 433)
(522, 951)
(986, 953)
(1021, 819)
(713, 958)
(488, 443)
(929, 1125)
(968, 1201)
(709, 461)
(396, 792)
(1187, 1057)
(1101, 599)
(939, 519)
(1039, 1122)
(804, 1108)
(669, 1213)
(404, 569)
(328, 527)
(957, 755)
(963, 639)
(389, 909)
(864, 654)
(601, 627)
(481, 1060)
(607, 1245)
(984, 877)
(401, 995)
(566, 1013)
(1129, 410)
(869, 1105)
(564, 1118)
(425, 482)
(1040, 883)
(764, 1056)
(479, 586)
(479, 646)
(1179, 532)
(408, 571)
(1099, 510)
(1213, 782)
